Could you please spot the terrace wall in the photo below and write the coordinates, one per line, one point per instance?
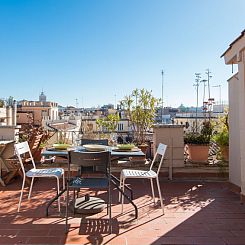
(172, 136)
(234, 125)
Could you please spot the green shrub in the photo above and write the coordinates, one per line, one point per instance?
(196, 138)
(202, 138)
(221, 137)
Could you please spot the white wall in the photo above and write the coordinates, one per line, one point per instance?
(241, 75)
(234, 144)
(2, 116)
(235, 54)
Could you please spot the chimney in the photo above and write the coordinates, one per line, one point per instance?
(14, 113)
(9, 115)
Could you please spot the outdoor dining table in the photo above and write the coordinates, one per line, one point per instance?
(6, 151)
(115, 155)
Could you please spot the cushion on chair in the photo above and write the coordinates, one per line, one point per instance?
(132, 173)
(35, 172)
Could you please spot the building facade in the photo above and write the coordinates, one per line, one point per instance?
(36, 111)
(235, 55)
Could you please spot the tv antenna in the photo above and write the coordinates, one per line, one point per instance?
(197, 84)
(162, 97)
(209, 77)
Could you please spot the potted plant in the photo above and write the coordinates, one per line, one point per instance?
(109, 124)
(140, 108)
(221, 137)
(198, 143)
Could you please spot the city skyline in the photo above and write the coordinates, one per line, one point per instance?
(95, 53)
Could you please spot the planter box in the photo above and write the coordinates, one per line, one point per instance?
(225, 152)
(198, 153)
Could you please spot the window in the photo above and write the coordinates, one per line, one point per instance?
(120, 127)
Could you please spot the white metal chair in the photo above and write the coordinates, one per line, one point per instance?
(145, 174)
(23, 149)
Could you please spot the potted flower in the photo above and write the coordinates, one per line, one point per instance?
(140, 108)
(221, 137)
(198, 143)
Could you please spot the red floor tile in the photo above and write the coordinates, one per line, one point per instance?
(195, 213)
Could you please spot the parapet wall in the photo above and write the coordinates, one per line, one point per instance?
(173, 137)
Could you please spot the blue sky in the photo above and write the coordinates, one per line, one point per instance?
(97, 51)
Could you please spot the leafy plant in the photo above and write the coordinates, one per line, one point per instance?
(108, 123)
(221, 136)
(1, 103)
(196, 138)
(201, 138)
(140, 108)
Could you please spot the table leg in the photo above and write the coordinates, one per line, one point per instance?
(1, 165)
(2, 182)
(10, 176)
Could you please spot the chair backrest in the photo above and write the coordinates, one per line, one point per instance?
(94, 141)
(97, 160)
(22, 149)
(161, 149)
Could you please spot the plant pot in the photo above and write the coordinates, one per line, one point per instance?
(143, 148)
(225, 152)
(198, 153)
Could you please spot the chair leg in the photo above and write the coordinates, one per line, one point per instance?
(74, 199)
(30, 190)
(110, 212)
(21, 194)
(63, 184)
(66, 215)
(152, 190)
(160, 194)
(122, 196)
(120, 186)
(58, 191)
(108, 202)
(63, 181)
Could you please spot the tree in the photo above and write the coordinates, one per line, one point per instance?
(1, 103)
(140, 108)
(109, 123)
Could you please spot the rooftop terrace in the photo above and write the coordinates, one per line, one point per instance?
(196, 212)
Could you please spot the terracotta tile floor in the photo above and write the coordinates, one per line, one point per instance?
(195, 213)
